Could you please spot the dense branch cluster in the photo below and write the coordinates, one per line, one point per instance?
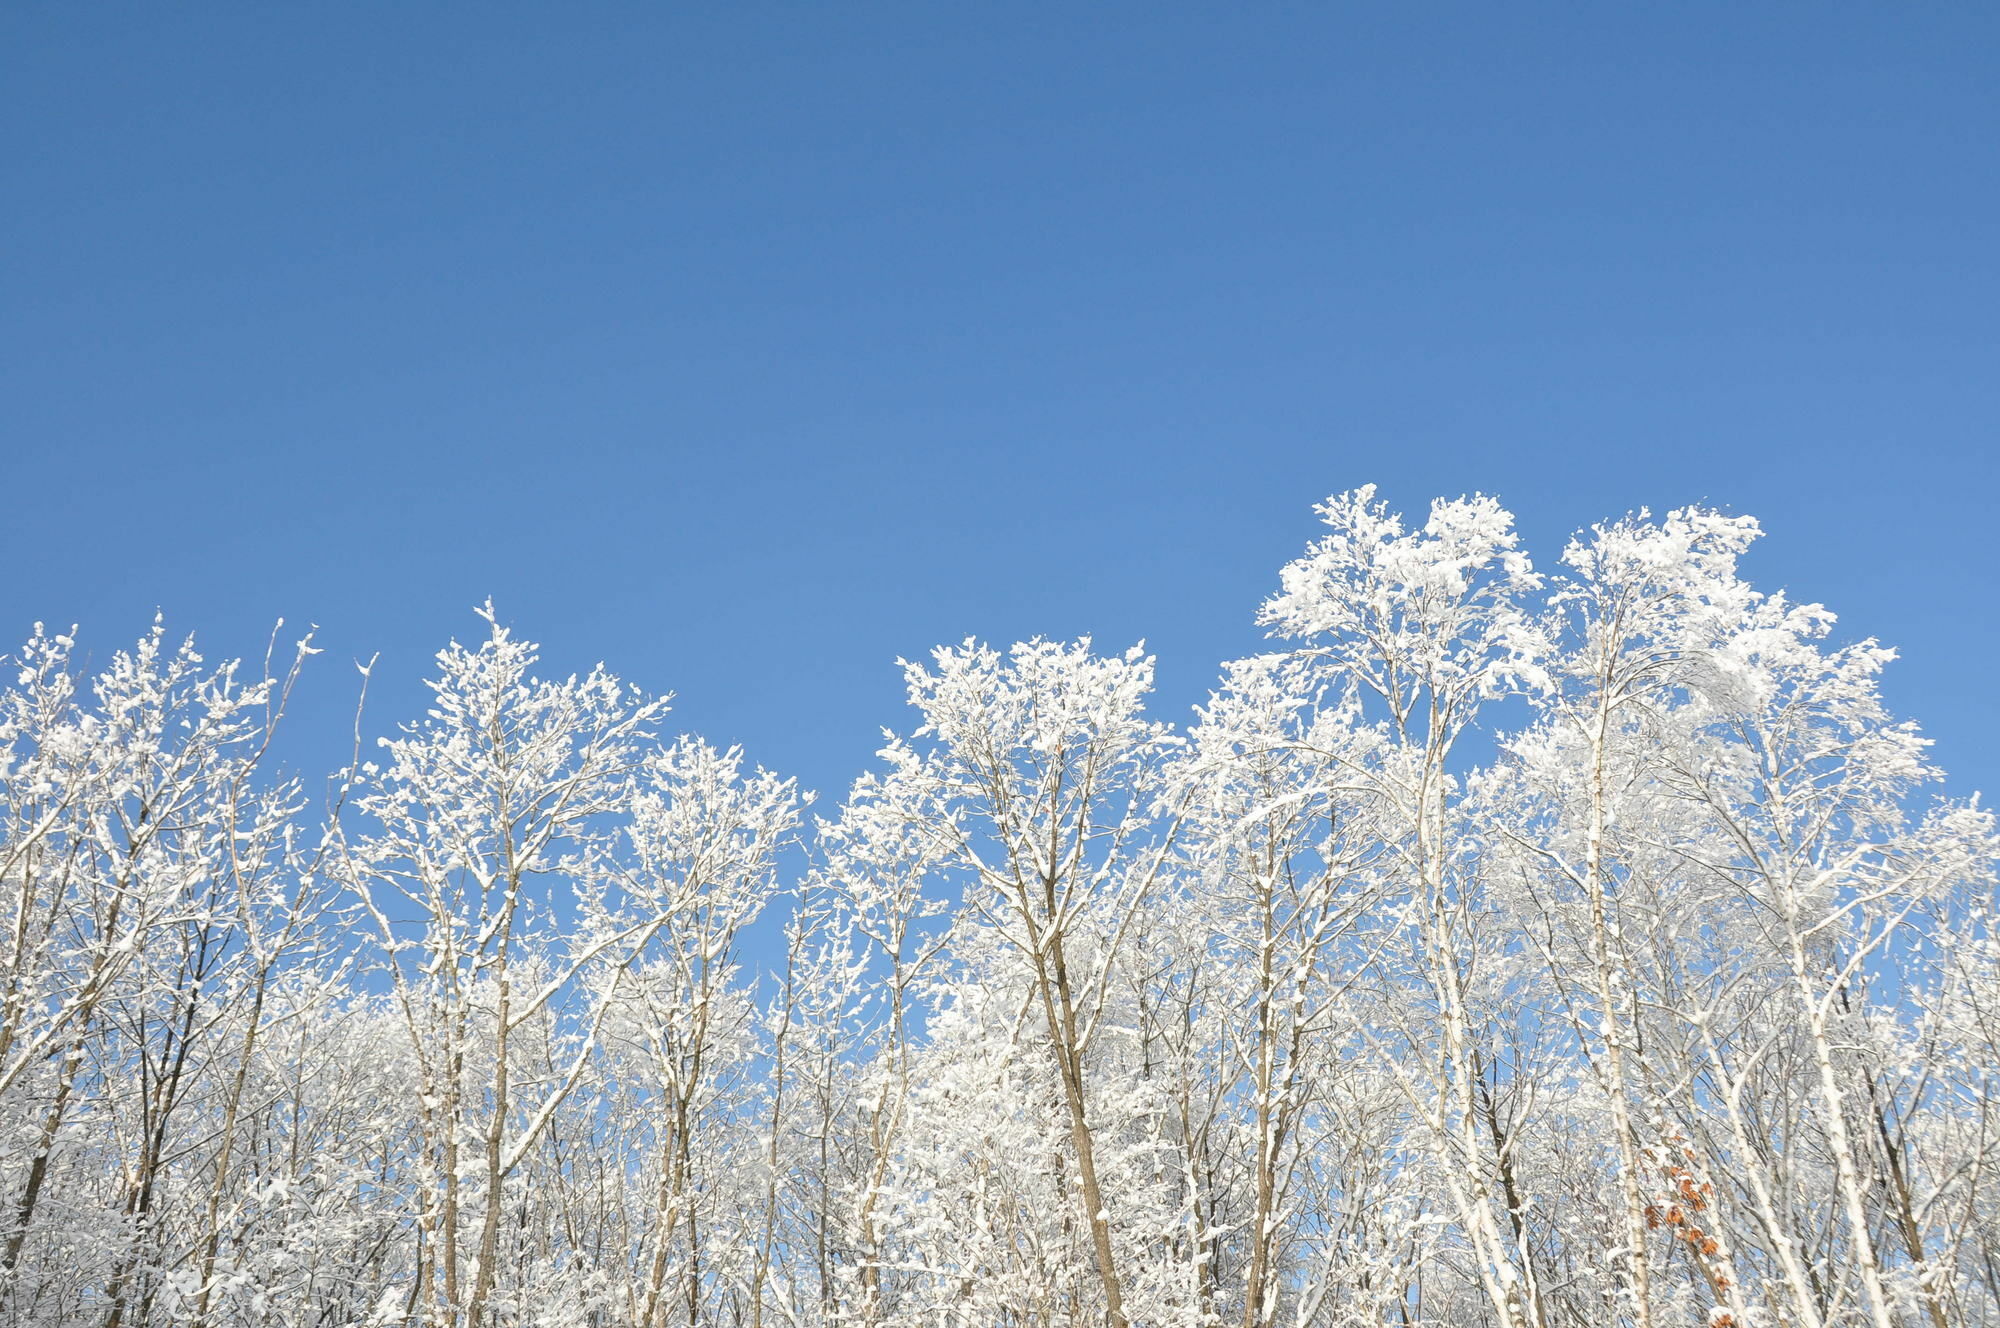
(1578, 947)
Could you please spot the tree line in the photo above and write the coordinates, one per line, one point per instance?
(1506, 947)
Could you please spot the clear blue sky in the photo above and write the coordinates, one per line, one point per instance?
(748, 346)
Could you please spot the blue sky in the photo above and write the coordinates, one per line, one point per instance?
(746, 347)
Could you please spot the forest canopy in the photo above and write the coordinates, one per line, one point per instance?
(1516, 944)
